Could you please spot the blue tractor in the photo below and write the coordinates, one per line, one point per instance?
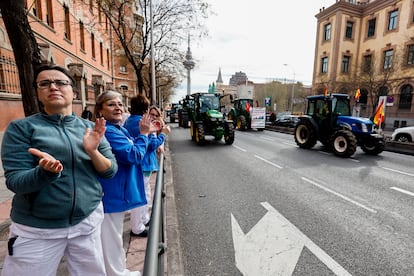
(328, 120)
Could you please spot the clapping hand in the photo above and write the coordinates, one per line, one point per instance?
(47, 161)
(92, 138)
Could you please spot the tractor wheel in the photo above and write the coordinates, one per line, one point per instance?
(192, 131)
(372, 147)
(241, 122)
(305, 135)
(230, 117)
(199, 134)
(229, 134)
(343, 143)
(185, 123)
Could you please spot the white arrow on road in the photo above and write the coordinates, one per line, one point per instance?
(273, 247)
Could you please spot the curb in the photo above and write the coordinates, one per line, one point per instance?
(173, 259)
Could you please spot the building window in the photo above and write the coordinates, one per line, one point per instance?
(85, 80)
(410, 55)
(345, 64)
(67, 22)
(123, 69)
(91, 5)
(82, 35)
(93, 45)
(324, 65)
(388, 59)
(101, 52)
(49, 15)
(406, 97)
(349, 29)
(367, 63)
(383, 91)
(393, 20)
(37, 9)
(107, 58)
(327, 32)
(371, 27)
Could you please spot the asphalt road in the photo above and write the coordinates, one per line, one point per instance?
(265, 207)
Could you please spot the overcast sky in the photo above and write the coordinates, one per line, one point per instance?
(256, 37)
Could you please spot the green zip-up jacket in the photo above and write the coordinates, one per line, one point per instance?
(43, 199)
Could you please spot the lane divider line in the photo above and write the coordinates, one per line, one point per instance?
(402, 191)
(339, 195)
(268, 162)
(239, 148)
(397, 171)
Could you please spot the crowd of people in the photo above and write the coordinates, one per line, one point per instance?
(74, 179)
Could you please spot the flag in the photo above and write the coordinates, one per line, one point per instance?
(379, 116)
(357, 94)
(248, 107)
(325, 91)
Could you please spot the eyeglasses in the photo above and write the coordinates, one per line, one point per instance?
(48, 83)
(155, 115)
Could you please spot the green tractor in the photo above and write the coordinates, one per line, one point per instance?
(240, 114)
(183, 113)
(207, 119)
(328, 120)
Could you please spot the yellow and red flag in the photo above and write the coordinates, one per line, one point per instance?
(325, 91)
(357, 94)
(379, 116)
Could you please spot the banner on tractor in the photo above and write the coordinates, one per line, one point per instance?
(258, 115)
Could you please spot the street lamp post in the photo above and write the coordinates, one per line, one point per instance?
(293, 86)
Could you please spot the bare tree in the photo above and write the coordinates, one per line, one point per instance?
(25, 48)
(375, 77)
(172, 21)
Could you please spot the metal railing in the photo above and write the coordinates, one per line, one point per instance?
(154, 255)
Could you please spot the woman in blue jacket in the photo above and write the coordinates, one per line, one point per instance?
(125, 190)
(139, 106)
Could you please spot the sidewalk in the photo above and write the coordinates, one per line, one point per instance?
(135, 247)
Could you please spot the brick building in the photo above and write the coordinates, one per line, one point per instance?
(368, 45)
(77, 35)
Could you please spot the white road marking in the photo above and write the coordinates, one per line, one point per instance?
(397, 171)
(273, 247)
(239, 148)
(268, 162)
(339, 195)
(402, 191)
(290, 144)
(267, 138)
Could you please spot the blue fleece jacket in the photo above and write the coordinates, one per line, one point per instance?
(150, 162)
(43, 199)
(125, 190)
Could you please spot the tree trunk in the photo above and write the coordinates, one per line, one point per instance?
(25, 48)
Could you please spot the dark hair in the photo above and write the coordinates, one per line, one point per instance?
(52, 67)
(139, 105)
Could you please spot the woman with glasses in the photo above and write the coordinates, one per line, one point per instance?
(139, 106)
(125, 191)
(50, 161)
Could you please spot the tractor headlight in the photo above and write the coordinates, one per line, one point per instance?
(364, 128)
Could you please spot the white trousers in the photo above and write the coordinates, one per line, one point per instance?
(41, 257)
(112, 245)
(140, 215)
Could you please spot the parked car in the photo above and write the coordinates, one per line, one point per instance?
(287, 121)
(403, 134)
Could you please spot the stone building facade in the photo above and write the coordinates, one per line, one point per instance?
(368, 45)
(71, 33)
